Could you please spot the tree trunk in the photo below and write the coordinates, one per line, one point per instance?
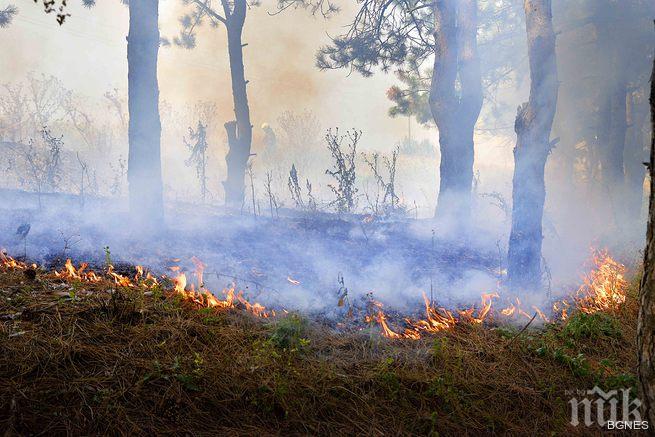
(455, 113)
(612, 106)
(615, 148)
(634, 157)
(646, 323)
(240, 132)
(144, 160)
(533, 124)
(613, 131)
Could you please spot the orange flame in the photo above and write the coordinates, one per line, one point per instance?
(10, 263)
(81, 274)
(381, 320)
(604, 288)
(208, 299)
(436, 319)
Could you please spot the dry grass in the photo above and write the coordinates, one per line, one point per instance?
(75, 359)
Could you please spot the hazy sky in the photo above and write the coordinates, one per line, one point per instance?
(89, 54)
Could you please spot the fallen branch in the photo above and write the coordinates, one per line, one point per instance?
(521, 331)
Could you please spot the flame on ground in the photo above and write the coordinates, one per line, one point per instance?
(604, 289)
(82, 273)
(146, 280)
(436, 319)
(381, 319)
(10, 263)
(206, 298)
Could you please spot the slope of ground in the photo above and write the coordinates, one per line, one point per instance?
(80, 357)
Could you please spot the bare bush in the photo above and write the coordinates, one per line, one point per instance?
(42, 163)
(251, 176)
(119, 174)
(88, 179)
(273, 201)
(386, 201)
(117, 103)
(40, 100)
(197, 145)
(343, 170)
(298, 133)
(498, 200)
(296, 192)
(27, 106)
(294, 188)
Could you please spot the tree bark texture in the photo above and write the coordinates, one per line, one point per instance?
(144, 159)
(533, 124)
(646, 322)
(240, 130)
(455, 112)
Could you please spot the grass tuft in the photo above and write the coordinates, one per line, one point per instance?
(289, 332)
(596, 325)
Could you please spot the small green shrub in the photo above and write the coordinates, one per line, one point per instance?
(621, 381)
(439, 348)
(596, 325)
(508, 332)
(578, 364)
(289, 333)
(387, 377)
(187, 372)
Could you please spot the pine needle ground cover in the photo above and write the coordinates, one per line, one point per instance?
(95, 357)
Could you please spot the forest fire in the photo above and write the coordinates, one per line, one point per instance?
(418, 233)
(436, 319)
(604, 286)
(380, 318)
(189, 292)
(604, 289)
(200, 295)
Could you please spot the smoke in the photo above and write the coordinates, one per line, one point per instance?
(397, 261)
(280, 66)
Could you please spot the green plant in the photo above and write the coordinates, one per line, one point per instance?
(439, 347)
(188, 375)
(578, 364)
(289, 333)
(596, 325)
(210, 316)
(387, 376)
(507, 332)
(621, 381)
(443, 388)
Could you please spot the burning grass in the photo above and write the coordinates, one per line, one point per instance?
(111, 353)
(604, 289)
